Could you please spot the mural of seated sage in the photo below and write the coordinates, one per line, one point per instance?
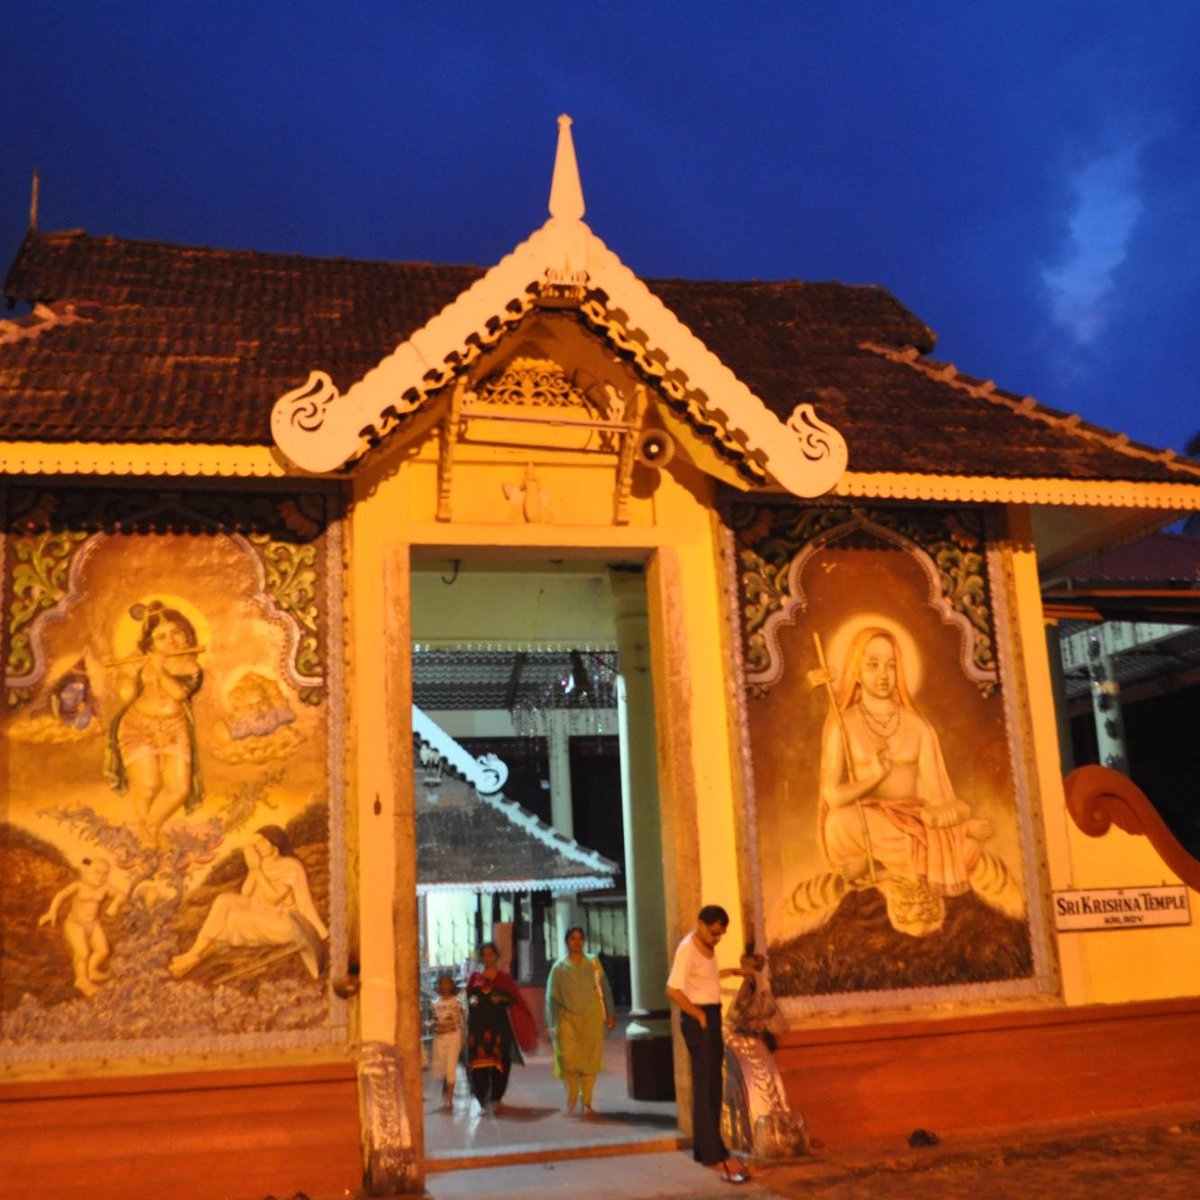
(889, 815)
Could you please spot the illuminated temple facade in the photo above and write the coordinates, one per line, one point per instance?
(781, 572)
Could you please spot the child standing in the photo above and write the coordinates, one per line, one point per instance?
(449, 1032)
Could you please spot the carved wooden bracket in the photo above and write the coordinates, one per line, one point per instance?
(756, 1118)
(392, 1165)
(533, 396)
(1099, 797)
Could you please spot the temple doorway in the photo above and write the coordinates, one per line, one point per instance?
(534, 750)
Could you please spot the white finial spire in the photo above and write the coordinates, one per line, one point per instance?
(566, 192)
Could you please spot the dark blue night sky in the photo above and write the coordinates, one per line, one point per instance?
(1025, 176)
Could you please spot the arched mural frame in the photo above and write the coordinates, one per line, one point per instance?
(291, 544)
(975, 642)
(766, 591)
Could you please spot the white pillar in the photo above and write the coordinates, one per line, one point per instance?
(1106, 708)
(639, 795)
(648, 1047)
(558, 743)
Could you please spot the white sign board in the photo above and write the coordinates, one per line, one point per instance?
(1121, 908)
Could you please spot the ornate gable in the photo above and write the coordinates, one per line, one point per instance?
(564, 266)
(555, 386)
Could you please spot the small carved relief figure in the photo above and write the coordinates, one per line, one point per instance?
(82, 930)
(755, 1011)
(273, 908)
(71, 698)
(258, 723)
(529, 502)
(616, 405)
(152, 752)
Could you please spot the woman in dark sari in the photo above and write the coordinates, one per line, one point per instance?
(499, 1024)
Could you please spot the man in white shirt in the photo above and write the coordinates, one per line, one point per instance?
(694, 985)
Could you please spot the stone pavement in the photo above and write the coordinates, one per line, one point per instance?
(1148, 1156)
(534, 1124)
(1127, 1160)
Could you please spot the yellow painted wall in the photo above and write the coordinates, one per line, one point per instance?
(674, 532)
(371, 797)
(1108, 967)
(513, 514)
(506, 560)
(1100, 967)
(477, 599)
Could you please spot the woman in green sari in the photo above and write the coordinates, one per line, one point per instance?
(579, 1008)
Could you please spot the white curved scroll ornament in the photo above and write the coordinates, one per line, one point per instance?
(812, 462)
(319, 428)
(818, 441)
(487, 773)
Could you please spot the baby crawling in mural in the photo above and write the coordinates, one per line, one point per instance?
(123, 918)
(82, 929)
(889, 818)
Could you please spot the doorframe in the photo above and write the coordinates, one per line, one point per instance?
(671, 655)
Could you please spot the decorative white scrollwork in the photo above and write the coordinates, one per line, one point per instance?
(392, 1165)
(493, 774)
(308, 402)
(817, 440)
(533, 383)
(487, 773)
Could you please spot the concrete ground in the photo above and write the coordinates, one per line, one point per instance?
(1146, 1156)
(632, 1150)
(532, 1120)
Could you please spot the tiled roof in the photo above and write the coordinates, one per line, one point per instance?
(144, 342)
(179, 344)
(489, 844)
(475, 678)
(1163, 558)
(471, 837)
(858, 356)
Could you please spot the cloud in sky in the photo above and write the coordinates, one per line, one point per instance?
(1107, 204)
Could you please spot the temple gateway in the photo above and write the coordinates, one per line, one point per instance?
(359, 612)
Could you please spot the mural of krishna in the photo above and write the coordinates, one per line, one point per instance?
(890, 829)
(170, 825)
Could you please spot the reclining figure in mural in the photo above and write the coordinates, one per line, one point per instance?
(152, 739)
(889, 818)
(273, 908)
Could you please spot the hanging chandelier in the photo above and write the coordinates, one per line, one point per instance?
(582, 682)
